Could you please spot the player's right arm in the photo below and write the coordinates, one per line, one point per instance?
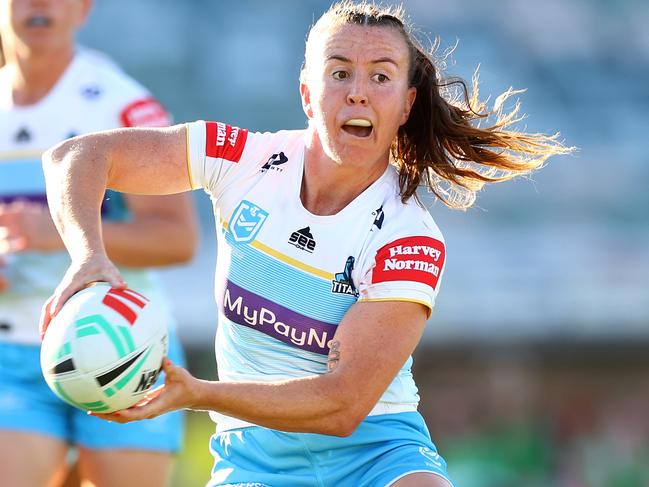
(77, 173)
(130, 160)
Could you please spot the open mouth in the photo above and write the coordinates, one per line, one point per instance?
(39, 21)
(358, 127)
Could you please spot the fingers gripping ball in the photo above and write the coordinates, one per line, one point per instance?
(103, 351)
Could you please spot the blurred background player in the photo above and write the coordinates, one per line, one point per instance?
(50, 90)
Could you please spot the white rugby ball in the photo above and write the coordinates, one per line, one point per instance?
(103, 351)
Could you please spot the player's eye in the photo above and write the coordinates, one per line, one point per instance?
(340, 75)
(380, 78)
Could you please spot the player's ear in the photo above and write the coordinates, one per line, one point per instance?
(84, 10)
(410, 100)
(305, 94)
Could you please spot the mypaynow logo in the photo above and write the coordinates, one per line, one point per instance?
(251, 310)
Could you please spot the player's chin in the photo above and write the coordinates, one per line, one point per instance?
(350, 142)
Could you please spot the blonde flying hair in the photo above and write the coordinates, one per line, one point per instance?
(442, 145)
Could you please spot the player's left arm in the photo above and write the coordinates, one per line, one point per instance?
(162, 230)
(372, 343)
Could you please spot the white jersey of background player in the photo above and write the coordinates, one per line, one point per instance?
(286, 277)
(93, 94)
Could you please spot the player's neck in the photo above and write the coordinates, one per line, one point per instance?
(35, 74)
(328, 187)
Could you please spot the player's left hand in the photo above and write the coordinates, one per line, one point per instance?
(25, 225)
(177, 392)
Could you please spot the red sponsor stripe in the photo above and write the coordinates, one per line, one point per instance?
(419, 259)
(115, 304)
(210, 139)
(130, 295)
(224, 141)
(145, 112)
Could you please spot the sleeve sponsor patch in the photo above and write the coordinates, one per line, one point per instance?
(146, 112)
(224, 141)
(419, 259)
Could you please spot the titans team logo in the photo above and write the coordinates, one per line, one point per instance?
(246, 221)
(343, 283)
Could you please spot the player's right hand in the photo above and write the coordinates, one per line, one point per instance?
(97, 268)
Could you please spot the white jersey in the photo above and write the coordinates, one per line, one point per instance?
(93, 94)
(285, 277)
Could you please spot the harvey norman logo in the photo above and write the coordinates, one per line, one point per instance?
(226, 133)
(396, 263)
(224, 141)
(248, 309)
(418, 259)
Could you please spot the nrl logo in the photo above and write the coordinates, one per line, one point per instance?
(246, 221)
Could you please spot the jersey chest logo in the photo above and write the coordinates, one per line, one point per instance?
(23, 136)
(246, 221)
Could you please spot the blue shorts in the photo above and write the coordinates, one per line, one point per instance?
(383, 449)
(27, 404)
